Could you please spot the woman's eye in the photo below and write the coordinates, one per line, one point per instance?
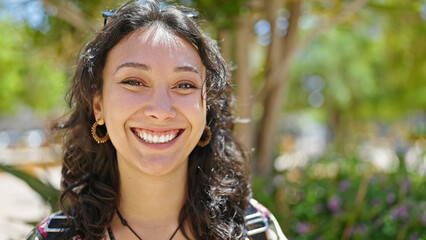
(186, 86)
(133, 82)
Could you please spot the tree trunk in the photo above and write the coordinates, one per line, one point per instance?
(243, 84)
(225, 43)
(71, 15)
(275, 85)
(276, 82)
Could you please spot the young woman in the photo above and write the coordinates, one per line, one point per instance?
(149, 150)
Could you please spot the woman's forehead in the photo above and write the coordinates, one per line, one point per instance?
(158, 36)
(150, 43)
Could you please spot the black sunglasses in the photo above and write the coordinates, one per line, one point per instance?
(189, 13)
(107, 14)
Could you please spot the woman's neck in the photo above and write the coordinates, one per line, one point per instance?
(152, 200)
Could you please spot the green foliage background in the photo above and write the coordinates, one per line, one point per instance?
(24, 78)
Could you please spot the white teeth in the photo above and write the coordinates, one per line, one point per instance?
(156, 139)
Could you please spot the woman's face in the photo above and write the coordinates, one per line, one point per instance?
(151, 100)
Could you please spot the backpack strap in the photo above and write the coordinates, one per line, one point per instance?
(51, 227)
(257, 221)
(57, 223)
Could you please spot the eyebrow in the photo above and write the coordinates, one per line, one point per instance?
(186, 68)
(134, 65)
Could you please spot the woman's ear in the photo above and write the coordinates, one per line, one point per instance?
(97, 108)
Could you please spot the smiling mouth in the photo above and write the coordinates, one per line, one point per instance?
(156, 137)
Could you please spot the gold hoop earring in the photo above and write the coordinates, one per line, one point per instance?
(95, 136)
(205, 138)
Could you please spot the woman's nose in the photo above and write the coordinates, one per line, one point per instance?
(160, 106)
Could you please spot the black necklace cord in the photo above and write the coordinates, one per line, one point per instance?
(177, 229)
(124, 223)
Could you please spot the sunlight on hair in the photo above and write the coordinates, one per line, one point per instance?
(158, 35)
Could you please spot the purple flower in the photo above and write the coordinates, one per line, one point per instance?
(422, 215)
(344, 185)
(376, 201)
(334, 203)
(360, 229)
(378, 223)
(394, 213)
(405, 187)
(390, 198)
(422, 205)
(422, 218)
(414, 236)
(410, 205)
(374, 179)
(349, 233)
(302, 228)
(403, 213)
(319, 208)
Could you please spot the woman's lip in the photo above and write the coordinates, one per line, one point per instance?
(155, 130)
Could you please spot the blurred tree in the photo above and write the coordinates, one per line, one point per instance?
(370, 71)
(24, 79)
(51, 31)
(283, 37)
(371, 68)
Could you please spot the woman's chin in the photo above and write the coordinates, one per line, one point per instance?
(158, 166)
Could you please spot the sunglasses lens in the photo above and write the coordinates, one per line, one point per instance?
(188, 13)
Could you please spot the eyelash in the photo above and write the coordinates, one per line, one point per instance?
(133, 82)
(186, 86)
(138, 83)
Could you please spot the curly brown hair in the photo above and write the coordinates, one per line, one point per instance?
(218, 188)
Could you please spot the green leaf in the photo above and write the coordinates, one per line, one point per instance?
(46, 191)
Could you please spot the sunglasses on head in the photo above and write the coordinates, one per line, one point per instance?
(189, 13)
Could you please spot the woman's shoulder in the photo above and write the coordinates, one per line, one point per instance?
(261, 223)
(51, 226)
